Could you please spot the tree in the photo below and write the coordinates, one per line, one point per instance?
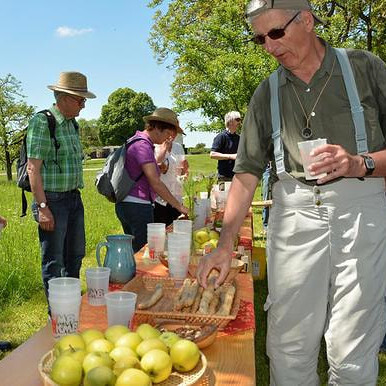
(217, 68)
(89, 132)
(123, 115)
(14, 116)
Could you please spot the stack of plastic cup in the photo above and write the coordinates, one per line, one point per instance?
(97, 285)
(64, 298)
(178, 254)
(120, 307)
(156, 233)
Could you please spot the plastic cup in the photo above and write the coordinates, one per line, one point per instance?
(178, 263)
(120, 307)
(64, 315)
(180, 158)
(305, 149)
(183, 226)
(64, 287)
(179, 241)
(156, 240)
(202, 213)
(97, 285)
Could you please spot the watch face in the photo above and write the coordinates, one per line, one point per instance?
(370, 164)
(42, 205)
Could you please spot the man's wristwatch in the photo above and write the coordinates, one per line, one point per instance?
(42, 205)
(369, 164)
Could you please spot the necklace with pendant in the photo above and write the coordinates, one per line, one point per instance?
(307, 132)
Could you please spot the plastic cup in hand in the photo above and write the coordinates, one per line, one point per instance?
(180, 158)
(120, 307)
(97, 285)
(305, 149)
(64, 315)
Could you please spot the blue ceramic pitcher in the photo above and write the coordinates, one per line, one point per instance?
(119, 257)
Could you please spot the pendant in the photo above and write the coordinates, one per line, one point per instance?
(306, 133)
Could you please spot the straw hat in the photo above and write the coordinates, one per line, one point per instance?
(255, 7)
(164, 114)
(73, 83)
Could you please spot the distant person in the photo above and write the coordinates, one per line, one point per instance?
(56, 179)
(170, 157)
(3, 222)
(136, 210)
(224, 147)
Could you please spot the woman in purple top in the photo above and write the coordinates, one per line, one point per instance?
(137, 210)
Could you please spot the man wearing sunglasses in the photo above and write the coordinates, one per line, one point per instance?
(224, 147)
(56, 175)
(326, 245)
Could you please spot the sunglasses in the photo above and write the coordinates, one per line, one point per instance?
(80, 101)
(274, 34)
(238, 119)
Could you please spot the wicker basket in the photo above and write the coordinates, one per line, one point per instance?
(175, 378)
(163, 309)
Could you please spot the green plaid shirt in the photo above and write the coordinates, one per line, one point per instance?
(40, 146)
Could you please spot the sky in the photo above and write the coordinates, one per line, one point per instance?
(107, 40)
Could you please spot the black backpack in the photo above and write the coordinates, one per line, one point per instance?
(22, 175)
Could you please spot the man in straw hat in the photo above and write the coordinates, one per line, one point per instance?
(137, 210)
(326, 246)
(56, 176)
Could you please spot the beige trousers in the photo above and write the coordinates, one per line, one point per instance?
(326, 252)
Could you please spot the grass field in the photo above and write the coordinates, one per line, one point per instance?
(22, 301)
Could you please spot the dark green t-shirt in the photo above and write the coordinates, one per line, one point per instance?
(332, 118)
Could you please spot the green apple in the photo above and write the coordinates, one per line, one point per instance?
(157, 365)
(169, 338)
(126, 363)
(151, 344)
(91, 334)
(214, 242)
(131, 340)
(103, 345)
(66, 371)
(133, 377)
(75, 353)
(146, 331)
(201, 236)
(67, 341)
(185, 355)
(113, 333)
(96, 359)
(100, 376)
(214, 235)
(119, 353)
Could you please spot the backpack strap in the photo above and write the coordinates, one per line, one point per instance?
(129, 142)
(52, 127)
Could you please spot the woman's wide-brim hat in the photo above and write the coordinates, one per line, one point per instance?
(73, 83)
(164, 114)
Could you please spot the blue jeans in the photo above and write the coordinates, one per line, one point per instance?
(64, 248)
(134, 218)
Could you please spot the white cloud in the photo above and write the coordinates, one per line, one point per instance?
(67, 32)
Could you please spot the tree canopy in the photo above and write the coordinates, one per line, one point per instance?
(217, 69)
(14, 115)
(123, 115)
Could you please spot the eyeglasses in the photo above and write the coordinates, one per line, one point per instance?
(274, 34)
(79, 100)
(238, 119)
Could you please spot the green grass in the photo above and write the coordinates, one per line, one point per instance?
(22, 301)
